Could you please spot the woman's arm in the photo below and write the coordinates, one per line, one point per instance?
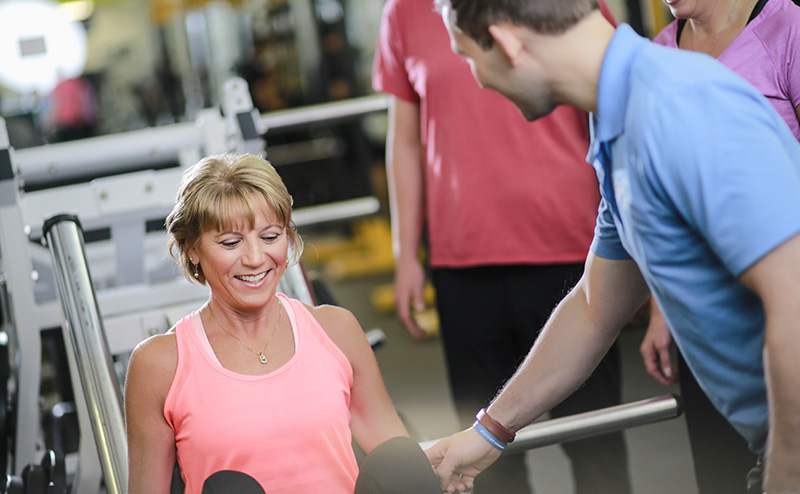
(151, 441)
(797, 112)
(656, 346)
(373, 417)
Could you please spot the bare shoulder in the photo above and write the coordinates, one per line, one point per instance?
(332, 315)
(341, 326)
(157, 349)
(154, 361)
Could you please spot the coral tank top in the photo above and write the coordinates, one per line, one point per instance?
(288, 429)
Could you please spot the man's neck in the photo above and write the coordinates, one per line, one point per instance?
(579, 60)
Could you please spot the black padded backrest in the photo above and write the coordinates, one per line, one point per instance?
(177, 486)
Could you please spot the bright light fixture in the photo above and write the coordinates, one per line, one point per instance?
(39, 44)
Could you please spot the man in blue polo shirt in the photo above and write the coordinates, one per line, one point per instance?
(700, 184)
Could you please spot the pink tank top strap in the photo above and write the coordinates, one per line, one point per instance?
(300, 317)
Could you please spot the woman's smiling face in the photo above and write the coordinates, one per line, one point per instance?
(243, 262)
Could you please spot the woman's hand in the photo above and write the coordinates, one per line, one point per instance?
(656, 346)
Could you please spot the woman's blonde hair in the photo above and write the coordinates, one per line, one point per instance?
(214, 192)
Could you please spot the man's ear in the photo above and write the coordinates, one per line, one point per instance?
(507, 38)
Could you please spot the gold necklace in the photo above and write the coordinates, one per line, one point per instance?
(716, 36)
(261, 356)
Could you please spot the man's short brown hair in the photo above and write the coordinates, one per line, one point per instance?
(473, 17)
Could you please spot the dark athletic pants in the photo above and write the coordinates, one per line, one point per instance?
(722, 459)
(490, 317)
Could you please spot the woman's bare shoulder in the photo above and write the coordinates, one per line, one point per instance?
(155, 360)
(340, 324)
(331, 314)
(342, 328)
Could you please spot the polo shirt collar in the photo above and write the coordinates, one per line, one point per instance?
(613, 88)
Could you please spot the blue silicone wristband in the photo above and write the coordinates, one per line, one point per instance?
(489, 436)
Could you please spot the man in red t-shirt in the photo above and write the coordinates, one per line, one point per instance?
(510, 208)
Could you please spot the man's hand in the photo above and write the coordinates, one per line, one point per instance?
(458, 459)
(409, 287)
(655, 348)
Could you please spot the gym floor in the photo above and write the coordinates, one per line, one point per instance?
(659, 455)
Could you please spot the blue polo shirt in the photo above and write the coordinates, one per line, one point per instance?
(700, 178)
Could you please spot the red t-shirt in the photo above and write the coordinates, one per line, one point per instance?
(73, 103)
(499, 189)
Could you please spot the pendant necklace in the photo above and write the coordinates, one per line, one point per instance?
(261, 356)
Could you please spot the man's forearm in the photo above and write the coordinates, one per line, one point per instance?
(782, 363)
(555, 367)
(572, 343)
(775, 278)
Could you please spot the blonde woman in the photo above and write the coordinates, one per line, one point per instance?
(252, 381)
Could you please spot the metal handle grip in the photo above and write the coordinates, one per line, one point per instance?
(588, 424)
